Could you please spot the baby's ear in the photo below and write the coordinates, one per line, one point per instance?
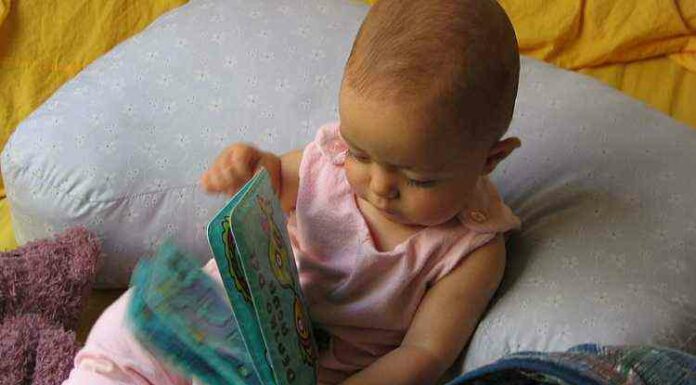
(499, 152)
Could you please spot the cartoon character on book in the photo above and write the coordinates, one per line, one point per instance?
(277, 254)
(303, 328)
(233, 261)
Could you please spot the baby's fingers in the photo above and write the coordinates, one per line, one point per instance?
(234, 167)
(241, 164)
(214, 181)
(222, 179)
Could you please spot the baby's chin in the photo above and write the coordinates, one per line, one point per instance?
(416, 220)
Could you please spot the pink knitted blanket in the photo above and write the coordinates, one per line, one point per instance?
(43, 288)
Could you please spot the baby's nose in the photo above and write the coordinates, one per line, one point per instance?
(383, 184)
(387, 193)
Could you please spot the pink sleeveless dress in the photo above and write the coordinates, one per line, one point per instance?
(361, 299)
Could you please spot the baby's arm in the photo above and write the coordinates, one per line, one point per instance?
(289, 179)
(239, 162)
(443, 323)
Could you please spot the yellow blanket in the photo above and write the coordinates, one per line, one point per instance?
(647, 48)
(588, 33)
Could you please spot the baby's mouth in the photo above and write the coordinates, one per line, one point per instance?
(386, 211)
(381, 207)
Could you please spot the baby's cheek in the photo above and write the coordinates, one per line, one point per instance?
(433, 209)
(356, 177)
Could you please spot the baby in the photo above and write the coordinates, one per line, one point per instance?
(397, 230)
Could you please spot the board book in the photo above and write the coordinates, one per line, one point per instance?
(254, 331)
(250, 243)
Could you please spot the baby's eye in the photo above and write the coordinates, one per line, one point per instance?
(359, 157)
(422, 183)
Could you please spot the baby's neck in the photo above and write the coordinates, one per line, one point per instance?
(386, 234)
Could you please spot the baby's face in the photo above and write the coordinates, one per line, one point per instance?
(413, 174)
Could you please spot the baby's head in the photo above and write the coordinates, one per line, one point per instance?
(427, 94)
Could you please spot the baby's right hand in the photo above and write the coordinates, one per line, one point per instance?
(233, 168)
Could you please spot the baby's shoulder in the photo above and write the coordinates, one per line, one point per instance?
(486, 212)
(327, 146)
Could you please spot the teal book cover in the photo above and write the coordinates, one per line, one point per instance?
(251, 247)
(179, 312)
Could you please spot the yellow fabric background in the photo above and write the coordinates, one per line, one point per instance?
(7, 239)
(45, 43)
(587, 33)
(646, 48)
(659, 82)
